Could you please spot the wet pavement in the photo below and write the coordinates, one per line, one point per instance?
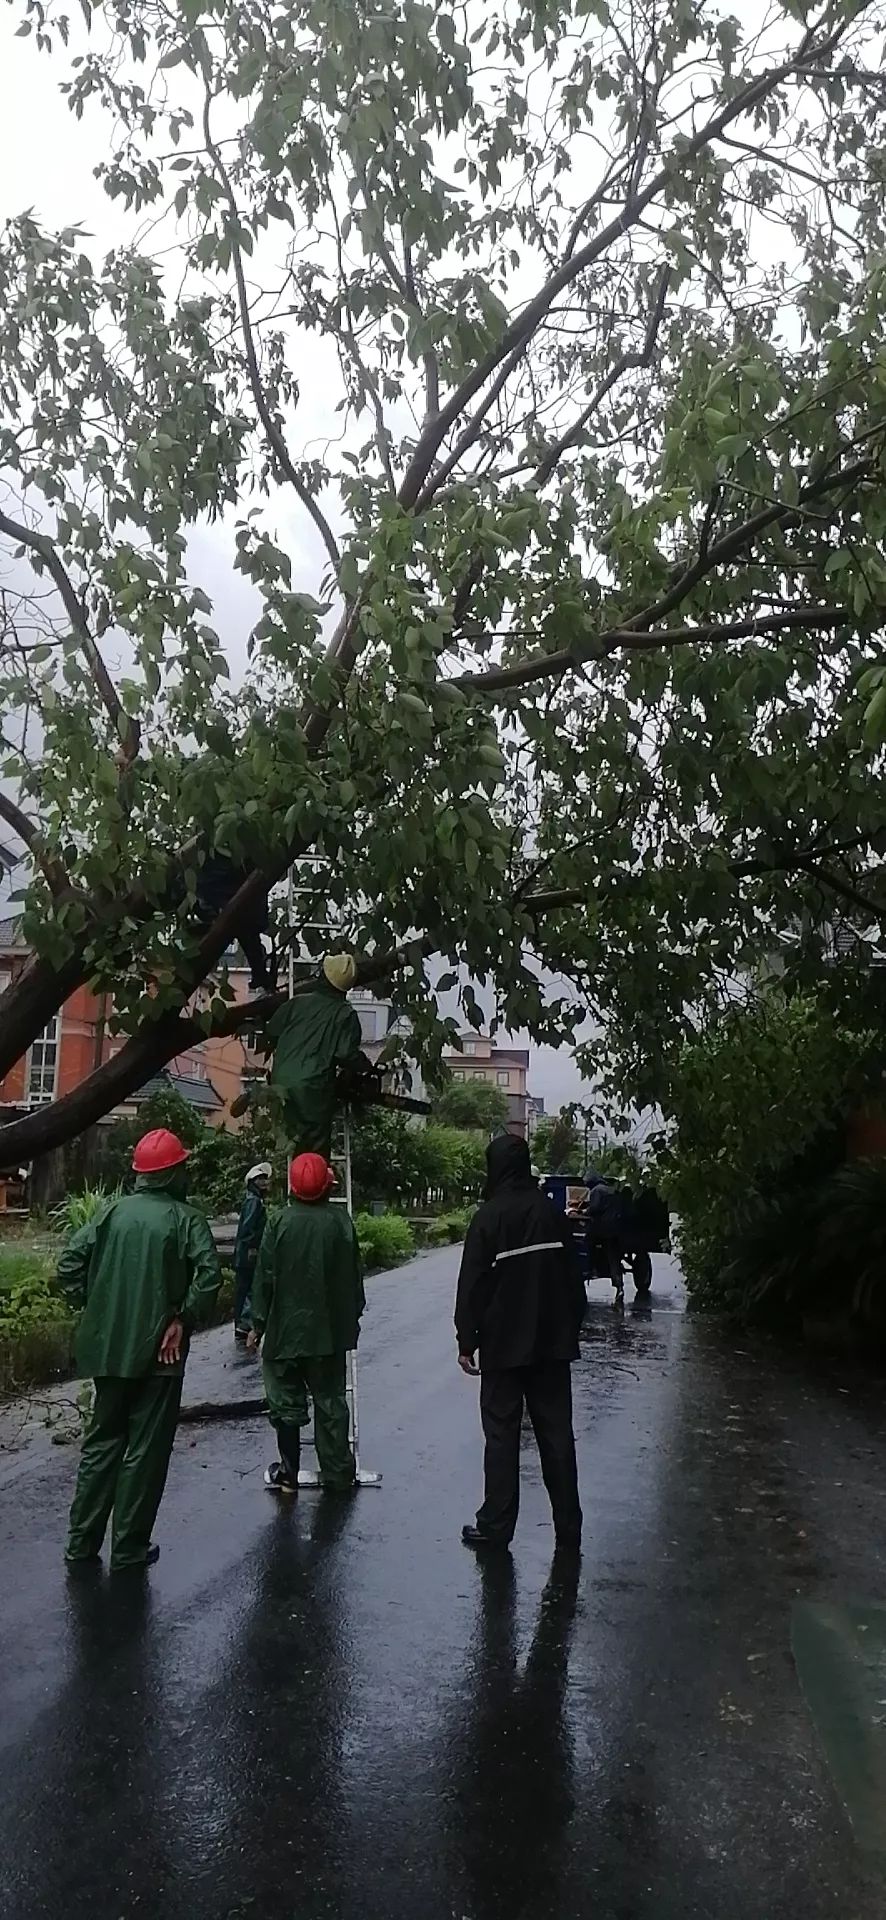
(334, 1710)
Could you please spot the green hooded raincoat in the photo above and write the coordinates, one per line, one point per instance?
(307, 1299)
(313, 1037)
(145, 1260)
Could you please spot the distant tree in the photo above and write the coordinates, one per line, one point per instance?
(557, 1143)
(472, 1104)
(399, 1163)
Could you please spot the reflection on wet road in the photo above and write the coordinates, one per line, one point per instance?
(336, 1711)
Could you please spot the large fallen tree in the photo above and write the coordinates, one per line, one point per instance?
(530, 364)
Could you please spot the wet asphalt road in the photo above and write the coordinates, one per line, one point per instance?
(336, 1711)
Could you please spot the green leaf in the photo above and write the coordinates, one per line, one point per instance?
(349, 576)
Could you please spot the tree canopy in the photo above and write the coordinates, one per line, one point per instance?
(557, 1144)
(472, 1103)
(567, 651)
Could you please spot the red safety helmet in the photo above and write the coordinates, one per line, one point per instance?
(157, 1151)
(310, 1176)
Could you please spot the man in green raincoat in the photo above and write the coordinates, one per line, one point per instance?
(148, 1270)
(315, 1041)
(307, 1299)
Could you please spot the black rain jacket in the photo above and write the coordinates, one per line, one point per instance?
(521, 1298)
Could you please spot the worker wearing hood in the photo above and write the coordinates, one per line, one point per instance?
(314, 1039)
(519, 1307)
(146, 1271)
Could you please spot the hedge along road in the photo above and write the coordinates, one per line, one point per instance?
(334, 1710)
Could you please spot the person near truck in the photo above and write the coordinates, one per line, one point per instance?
(145, 1271)
(519, 1306)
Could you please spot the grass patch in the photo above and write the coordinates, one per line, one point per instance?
(21, 1265)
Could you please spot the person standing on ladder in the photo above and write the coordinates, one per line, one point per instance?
(316, 1044)
(148, 1269)
(307, 1301)
(250, 1227)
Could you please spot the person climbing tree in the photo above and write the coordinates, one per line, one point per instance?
(218, 880)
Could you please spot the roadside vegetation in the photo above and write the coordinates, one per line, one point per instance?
(781, 1217)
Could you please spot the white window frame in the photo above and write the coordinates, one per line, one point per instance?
(47, 1043)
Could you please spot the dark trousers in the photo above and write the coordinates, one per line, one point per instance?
(123, 1466)
(242, 1289)
(546, 1391)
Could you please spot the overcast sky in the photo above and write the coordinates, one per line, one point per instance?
(46, 164)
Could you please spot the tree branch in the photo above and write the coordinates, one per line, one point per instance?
(125, 727)
(521, 329)
(272, 431)
(629, 640)
(638, 358)
(150, 1050)
(469, 432)
(429, 358)
(52, 870)
(731, 544)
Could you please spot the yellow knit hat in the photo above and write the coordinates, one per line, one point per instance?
(340, 970)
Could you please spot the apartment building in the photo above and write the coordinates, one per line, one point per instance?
(476, 1057)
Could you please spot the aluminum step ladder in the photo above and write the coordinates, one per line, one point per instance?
(305, 878)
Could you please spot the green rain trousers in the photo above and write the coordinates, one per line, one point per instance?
(123, 1467)
(287, 1385)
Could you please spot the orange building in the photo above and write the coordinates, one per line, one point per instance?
(230, 1063)
(74, 1044)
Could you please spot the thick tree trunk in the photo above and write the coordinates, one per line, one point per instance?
(145, 1054)
(137, 1061)
(30, 1002)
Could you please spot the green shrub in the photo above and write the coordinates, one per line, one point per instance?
(37, 1327)
(31, 1301)
(820, 1251)
(757, 1102)
(77, 1209)
(447, 1228)
(385, 1239)
(36, 1353)
(220, 1158)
